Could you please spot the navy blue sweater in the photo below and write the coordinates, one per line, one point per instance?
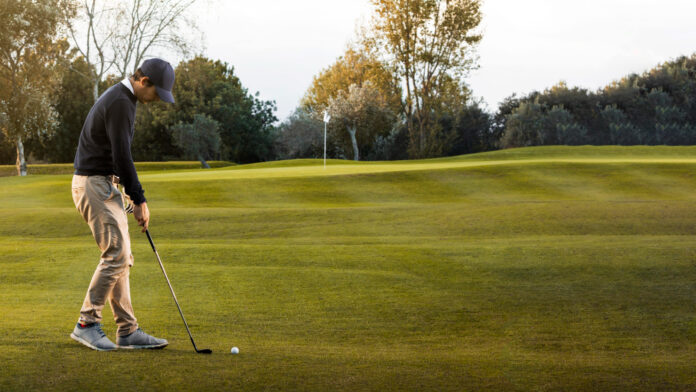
(105, 141)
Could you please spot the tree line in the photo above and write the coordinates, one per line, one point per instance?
(214, 117)
(416, 55)
(398, 92)
(657, 107)
(58, 56)
(408, 78)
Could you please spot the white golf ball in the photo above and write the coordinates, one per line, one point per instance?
(234, 350)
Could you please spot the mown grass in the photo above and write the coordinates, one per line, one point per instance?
(530, 269)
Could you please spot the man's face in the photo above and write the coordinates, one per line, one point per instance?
(146, 94)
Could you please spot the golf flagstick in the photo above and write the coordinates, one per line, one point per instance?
(201, 351)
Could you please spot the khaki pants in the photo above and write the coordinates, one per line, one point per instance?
(101, 206)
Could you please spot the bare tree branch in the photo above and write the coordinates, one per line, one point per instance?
(150, 24)
(121, 33)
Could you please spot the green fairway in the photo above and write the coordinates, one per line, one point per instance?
(537, 269)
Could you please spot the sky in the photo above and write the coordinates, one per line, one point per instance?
(277, 46)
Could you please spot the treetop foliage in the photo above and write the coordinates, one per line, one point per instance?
(355, 67)
(656, 107)
(209, 88)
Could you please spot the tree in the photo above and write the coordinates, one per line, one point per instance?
(30, 51)
(94, 24)
(122, 33)
(146, 25)
(199, 140)
(621, 130)
(72, 99)
(533, 124)
(471, 126)
(671, 126)
(390, 147)
(356, 66)
(208, 87)
(499, 120)
(561, 128)
(623, 109)
(301, 136)
(575, 110)
(523, 126)
(7, 153)
(429, 45)
(360, 108)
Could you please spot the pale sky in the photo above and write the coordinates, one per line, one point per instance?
(278, 46)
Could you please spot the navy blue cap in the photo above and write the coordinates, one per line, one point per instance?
(161, 74)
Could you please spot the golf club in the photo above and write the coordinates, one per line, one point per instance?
(201, 351)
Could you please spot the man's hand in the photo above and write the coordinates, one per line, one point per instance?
(142, 215)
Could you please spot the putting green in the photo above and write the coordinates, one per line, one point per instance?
(554, 268)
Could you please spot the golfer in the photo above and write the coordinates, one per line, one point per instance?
(102, 161)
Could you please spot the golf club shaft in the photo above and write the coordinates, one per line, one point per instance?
(171, 289)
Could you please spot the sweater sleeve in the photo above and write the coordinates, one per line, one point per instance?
(118, 126)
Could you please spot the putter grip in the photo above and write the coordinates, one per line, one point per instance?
(152, 244)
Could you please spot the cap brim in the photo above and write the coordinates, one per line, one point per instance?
(165, 95)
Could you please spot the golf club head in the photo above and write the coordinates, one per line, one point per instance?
(205, 351)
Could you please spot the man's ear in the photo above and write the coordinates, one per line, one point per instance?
(144, 81)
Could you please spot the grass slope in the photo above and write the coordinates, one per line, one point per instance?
(531, 269)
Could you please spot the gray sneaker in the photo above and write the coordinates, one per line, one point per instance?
(93, 337)
(140, 339)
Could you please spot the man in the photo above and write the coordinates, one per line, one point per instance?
(103, 160)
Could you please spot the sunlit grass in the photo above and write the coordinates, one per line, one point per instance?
(531, 269)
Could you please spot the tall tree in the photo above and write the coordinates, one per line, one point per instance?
(92, 27)
(120, 34)
(72, 99)
(147, 25)
(30, 50)
(355, 67)
(429, 44)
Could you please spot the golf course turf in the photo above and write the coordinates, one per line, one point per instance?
(535, 269)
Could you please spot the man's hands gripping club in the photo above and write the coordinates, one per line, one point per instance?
(140, 212)
(142, 215)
